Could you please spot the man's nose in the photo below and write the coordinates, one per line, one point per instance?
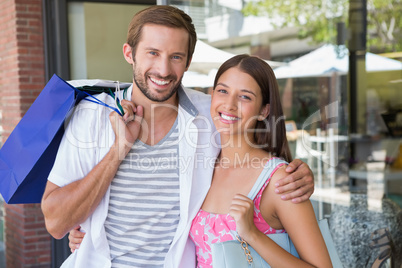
(164, 67)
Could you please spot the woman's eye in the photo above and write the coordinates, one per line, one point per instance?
(177, 57)
(245, 97)
(221, 90)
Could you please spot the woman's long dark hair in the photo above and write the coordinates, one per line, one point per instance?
(270, 133)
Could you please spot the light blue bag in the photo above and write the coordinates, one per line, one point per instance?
(232, 253)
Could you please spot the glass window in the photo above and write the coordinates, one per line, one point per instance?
(97, 32)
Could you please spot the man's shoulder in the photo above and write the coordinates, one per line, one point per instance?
(89, 111)
(199, 99)
(198, 95)
(96, 102)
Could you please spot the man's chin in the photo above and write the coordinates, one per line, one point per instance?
(161, 97)
(157, 95)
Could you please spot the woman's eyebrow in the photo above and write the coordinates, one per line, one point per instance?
(248, 91)
(242, 90)
(222, 84)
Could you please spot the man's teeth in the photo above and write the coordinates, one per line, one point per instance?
(226, 117)
(159, 82)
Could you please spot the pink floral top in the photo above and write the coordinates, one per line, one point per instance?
(208, 228)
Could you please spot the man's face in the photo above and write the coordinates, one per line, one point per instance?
(160, 61)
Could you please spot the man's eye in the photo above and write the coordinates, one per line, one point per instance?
(178, 58)
(152, 53)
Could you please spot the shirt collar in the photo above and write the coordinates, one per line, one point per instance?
(185, 102)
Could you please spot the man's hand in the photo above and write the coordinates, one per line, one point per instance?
(126, 127)
(75, 238)
(299, 184)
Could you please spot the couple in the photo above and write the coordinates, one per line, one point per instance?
(137, 215)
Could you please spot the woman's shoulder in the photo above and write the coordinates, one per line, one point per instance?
(276, 165)
(278, 170)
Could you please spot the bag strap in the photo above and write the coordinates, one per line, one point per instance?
(269, 167)
(267, 171)
(109, 91)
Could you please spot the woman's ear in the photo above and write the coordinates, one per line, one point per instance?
(264, 113)
(128, 53)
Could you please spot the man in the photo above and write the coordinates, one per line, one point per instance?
(134, 183)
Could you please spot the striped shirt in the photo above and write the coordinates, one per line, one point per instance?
(144, 204)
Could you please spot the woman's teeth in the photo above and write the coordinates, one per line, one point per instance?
(226, 117)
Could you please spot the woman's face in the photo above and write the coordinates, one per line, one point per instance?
(236, 103)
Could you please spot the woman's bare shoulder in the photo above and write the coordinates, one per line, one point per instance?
(279, 173)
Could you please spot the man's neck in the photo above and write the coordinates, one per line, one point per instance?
(158, 118)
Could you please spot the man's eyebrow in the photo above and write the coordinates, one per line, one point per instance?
(158, 50)
(151, 48)
(183, 54)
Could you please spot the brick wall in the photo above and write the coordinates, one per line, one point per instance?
(22, 77)
(27, 241)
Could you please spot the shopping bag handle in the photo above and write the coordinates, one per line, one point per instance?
(92, 98)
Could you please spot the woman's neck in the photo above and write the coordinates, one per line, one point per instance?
(236, 150)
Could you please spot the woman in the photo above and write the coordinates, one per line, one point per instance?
(247, 112)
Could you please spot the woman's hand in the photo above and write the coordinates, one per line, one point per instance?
(242, 211)
(75, 238)
(298, 185)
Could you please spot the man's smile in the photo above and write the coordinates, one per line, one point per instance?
(159, 82)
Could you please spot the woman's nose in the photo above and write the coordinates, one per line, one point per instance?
(232, 103)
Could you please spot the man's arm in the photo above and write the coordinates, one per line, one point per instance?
(65, 207)
(300, 182)
(68, 206)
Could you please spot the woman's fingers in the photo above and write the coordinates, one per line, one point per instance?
(75, 238)
(240, 205)
(242, 211)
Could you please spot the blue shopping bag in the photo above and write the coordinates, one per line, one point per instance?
(28, 155)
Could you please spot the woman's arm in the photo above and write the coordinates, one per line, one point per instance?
(298, 220)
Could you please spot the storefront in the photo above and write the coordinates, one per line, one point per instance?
(83, 39)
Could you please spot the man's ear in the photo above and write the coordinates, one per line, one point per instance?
(264, 113)
(128, 53)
